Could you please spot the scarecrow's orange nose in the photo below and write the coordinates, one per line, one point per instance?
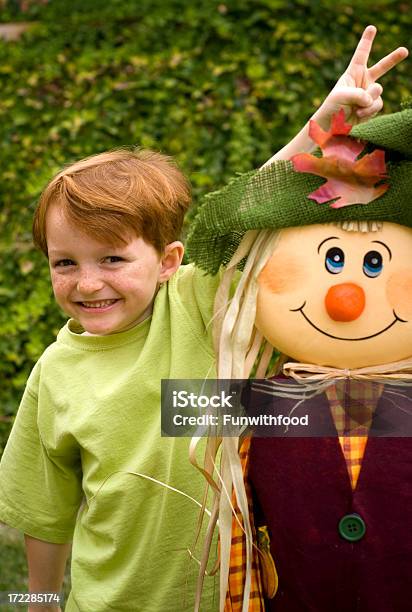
(345, 302)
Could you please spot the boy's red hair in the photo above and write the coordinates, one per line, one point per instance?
(116, 193)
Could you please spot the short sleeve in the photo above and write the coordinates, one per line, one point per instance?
(40, 490)
(205, 287)
(198, 290)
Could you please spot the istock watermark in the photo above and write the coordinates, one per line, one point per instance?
(281, 407)
(220, 408)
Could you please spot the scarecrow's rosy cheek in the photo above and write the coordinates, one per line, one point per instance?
(399, 293)
(282, 274)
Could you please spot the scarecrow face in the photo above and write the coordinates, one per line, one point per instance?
(344, 299)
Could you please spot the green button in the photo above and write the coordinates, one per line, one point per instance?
(352, 527)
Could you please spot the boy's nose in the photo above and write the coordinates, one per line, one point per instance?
(345, 302)
(88, 283)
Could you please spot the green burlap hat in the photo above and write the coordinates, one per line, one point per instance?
(277, 196)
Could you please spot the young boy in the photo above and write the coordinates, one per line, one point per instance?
(85, 460)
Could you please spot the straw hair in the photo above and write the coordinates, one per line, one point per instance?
(115, 194)
(238, 343)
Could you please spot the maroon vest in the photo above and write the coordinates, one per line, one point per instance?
(303, 490)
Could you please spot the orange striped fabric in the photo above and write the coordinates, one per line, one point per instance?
(352, 404)
(234, 595)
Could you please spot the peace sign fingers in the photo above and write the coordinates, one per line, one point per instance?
(357, 91)
(358, 74)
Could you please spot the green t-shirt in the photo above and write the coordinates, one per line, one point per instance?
(88, 429)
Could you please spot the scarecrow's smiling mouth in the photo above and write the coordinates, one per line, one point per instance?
(395, 320)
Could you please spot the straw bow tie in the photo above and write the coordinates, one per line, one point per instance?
(387, 371)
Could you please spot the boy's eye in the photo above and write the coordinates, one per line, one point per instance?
(372, 264)
(334, 260)
(113, 258)
(63, 263)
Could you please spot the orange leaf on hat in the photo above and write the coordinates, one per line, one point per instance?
(350, 180)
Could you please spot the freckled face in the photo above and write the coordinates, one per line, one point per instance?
(107, 289)
(338, 298)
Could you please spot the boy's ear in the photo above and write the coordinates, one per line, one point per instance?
(171, 260)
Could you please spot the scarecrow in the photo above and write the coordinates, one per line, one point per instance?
(327, 281)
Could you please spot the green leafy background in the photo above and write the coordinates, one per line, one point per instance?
(219, 85)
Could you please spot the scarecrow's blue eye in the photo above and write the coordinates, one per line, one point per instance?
(372, 264)
(334, 260)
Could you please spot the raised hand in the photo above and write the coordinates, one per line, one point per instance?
(357, 90)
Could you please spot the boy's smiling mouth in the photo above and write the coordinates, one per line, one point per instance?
(395, 320)
(98, 304)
